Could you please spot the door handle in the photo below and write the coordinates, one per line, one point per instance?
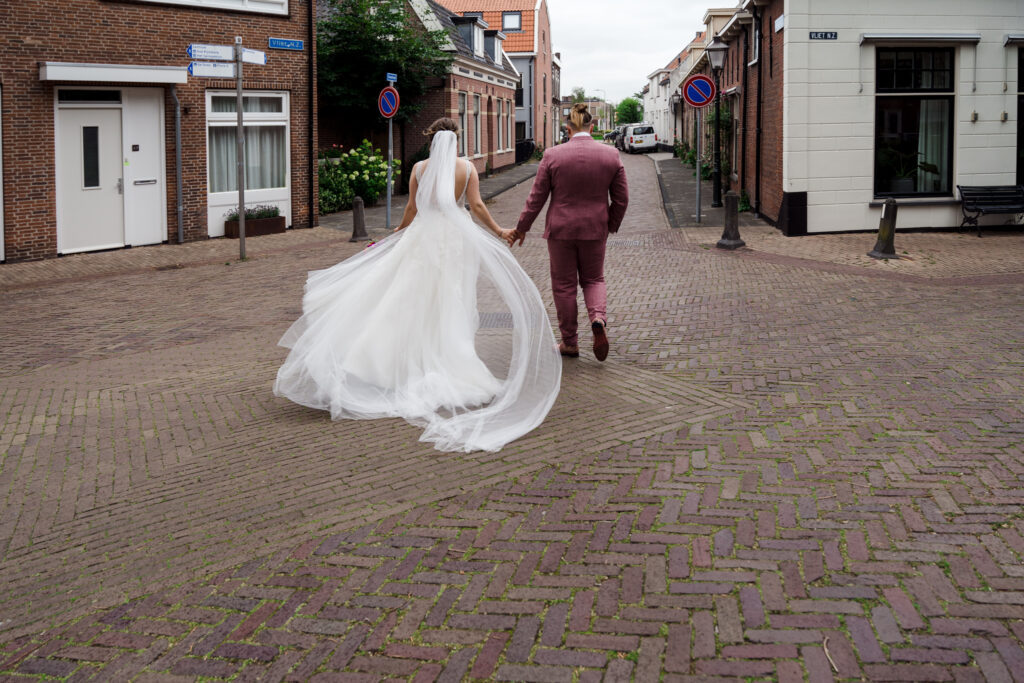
(120, 185)
(147, 181)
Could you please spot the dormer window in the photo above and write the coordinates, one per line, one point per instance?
(478, 40)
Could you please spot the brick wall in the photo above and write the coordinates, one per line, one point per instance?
(544, 111)
(744, 109)
(108, 32)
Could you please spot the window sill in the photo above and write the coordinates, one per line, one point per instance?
(911, 201)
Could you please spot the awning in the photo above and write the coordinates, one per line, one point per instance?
(921, 38)
(1014, 39)
(112, 73)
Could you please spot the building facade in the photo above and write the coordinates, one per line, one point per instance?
(528, 43)
(478, 92)
(100, 118)
(838, 106)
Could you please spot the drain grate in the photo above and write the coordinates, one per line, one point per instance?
(624, 243)
(495, 320)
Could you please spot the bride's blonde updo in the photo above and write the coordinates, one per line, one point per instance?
(579, 117)
(443, 123)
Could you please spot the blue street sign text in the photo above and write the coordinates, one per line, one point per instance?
(285, 44)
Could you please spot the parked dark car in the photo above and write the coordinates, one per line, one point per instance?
(612, 134)
(524, 149)
(620, 139)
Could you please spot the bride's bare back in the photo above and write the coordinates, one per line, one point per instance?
(467, 185)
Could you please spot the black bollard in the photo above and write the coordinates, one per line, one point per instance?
(731, 234)
(884, 247)
(358, 221)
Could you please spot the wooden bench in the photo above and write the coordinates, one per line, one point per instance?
(979, 200)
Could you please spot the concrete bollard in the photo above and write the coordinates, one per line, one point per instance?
(884, 247)
(358, 221)
(731, 234)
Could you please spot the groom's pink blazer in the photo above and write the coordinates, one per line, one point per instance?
(588, 191)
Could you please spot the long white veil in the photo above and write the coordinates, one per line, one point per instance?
(396, 330)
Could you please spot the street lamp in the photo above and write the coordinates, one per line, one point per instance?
(674, 103)
(716, 50)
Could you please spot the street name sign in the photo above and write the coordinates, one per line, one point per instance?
(285, 44)
(392, 78)
(254, 56)
(699, 91)
(212, 69)
(201, 51)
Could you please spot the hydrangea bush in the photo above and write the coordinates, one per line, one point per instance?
(360, 172)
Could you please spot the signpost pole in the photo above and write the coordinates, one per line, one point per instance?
(240, 148)
(699, 162)
(391, 156)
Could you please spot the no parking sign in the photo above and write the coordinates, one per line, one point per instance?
(387, 102)
(699, 91)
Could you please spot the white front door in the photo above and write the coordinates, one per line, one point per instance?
(145, 189)
(90, 201)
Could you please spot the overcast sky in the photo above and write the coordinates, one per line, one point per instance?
(614, 45)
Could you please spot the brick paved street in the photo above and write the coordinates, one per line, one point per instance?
(793, 466)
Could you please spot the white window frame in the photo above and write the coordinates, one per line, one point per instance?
(218, 203)
(462, 124)
(504, 21)
(476, 125)
(501, 110)
(257, 6)
(510, 119)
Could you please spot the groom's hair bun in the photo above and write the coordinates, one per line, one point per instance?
(443, 123)
(580, 116)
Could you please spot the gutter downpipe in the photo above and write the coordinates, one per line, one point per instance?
(760, 99)
(312, 151)
(746, 72)
(177, 164)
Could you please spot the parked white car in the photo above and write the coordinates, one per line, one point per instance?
(640, 137)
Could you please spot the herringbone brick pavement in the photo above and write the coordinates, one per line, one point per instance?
(787, 470)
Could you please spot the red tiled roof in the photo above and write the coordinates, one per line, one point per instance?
(515, 41)
(461, 6)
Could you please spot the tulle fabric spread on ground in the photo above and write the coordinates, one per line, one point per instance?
(395, 330)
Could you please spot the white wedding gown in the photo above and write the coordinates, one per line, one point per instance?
(394, 331)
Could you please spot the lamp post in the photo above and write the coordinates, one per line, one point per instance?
(716, 50)
(674, 104)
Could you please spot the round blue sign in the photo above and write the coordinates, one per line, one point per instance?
(699, 90)
(387, 102)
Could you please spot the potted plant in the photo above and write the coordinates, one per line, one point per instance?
(264, 219)
(904, 167)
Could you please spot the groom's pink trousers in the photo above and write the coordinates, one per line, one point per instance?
(577, 262)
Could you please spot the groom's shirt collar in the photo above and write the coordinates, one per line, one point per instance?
(582, 132)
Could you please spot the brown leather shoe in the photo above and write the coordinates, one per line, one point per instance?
(570, 351)
(600, 340)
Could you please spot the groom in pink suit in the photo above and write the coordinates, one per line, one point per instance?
(589, 195)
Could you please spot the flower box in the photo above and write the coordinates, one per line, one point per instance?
(255, 226)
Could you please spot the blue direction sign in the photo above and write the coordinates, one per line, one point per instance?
(285, 44)
(699, 91)
(387, 102)
(392, 78)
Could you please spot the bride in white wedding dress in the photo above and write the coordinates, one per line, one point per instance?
(392, 331)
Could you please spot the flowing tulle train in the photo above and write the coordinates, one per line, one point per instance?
(391, 332)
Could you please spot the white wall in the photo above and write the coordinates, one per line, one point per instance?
(829, 104)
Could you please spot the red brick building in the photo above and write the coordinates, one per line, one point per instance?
(94, 95)
(528, 27)
(751, 90)
(478, 92)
